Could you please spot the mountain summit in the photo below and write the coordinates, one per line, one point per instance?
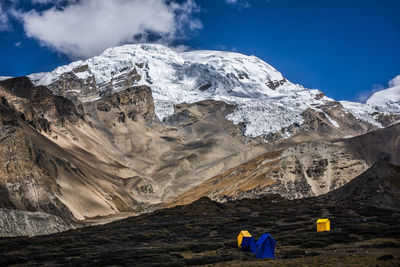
(266, 103)
(388, 99)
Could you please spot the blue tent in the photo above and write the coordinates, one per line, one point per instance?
(248, 244)
(265, 247)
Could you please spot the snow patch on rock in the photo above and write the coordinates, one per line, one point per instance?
(332, 121)
(362, 112)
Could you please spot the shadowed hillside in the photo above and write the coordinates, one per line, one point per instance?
(378, 186)
(204, 232)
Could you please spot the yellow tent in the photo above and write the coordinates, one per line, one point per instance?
(323, 225)
(241, 235)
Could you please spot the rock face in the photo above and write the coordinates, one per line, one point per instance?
(24, 223)
(134, 103)
(28, 175)
(34, 168)
(110, 155)
(38, 106)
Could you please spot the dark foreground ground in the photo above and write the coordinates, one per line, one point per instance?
(204, 232)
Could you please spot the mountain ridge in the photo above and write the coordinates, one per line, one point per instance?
(267, 103)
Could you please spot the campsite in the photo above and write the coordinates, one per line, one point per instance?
(205, 232)
(262, 249)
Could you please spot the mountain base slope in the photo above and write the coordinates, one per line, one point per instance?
(204, 232)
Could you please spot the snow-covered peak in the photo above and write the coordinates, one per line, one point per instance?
(243, 65)
(2, 78)
(266, 101)
(388, 99)
(239, 74)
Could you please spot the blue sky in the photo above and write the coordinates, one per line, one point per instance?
(347, 49)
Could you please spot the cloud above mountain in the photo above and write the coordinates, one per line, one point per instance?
(4, 22)
(238, 3)
(363, 96)
(81, 29)
(395, 81)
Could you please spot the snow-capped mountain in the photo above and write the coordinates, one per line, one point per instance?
(388, 99)
(383, 102)
(266, 102)
(2, 78)
(90, 141)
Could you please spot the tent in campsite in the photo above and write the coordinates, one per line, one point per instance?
(248, 244)
(265, 247)
(323, 225)
(241, 235)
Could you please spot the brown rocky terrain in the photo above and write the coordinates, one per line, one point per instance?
(301, 170)
(83, 160)
(204, 232)
(108, 156)
(25, 223)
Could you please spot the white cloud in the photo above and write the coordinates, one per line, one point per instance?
(53, 2)
(395, 81)
(364, 95)
(85, 28)
(4, 22)
(239, 3)
(43, 1)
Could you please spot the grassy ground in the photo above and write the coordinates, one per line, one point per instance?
(204, 233)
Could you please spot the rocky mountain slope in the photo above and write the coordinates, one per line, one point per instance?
(379, 186)
(204, 232)
(25, 223)
(110, 155)
(301, 170)
(141, 124)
